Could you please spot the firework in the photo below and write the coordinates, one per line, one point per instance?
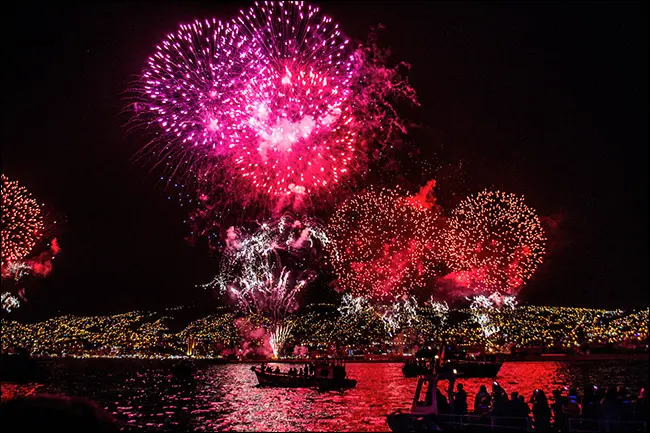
(192, 88)
(494, 242)
(302, 141)
(386, 244)
(271, 110)
(266, 271)
(9, 302)
(485, 308)
(22, 222)
(17, 270)
(259, 98)
(352, 306)
(279, 336)
(400, 314)
(439, 310)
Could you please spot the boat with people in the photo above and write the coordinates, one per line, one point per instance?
(424, 410)
(431, 410)
(461, 363)
(326, 374)
(466, 368)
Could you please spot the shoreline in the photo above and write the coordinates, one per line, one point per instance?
(215, 360)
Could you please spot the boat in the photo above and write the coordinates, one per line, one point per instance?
(328, 375)
(465, 368)
(460, 363)
(424, 410)
(471, 364)
(432, 411)
(422, 363)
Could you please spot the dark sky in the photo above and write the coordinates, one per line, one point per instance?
(543, 99)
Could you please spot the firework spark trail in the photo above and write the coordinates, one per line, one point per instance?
(439, 309)
(484, 308)
(22, 222)
(252, 268)
(402, 313)
(387, 244)
(493, 242)
(279, 336)
(351, 305)
(17, 270)
(9, 302)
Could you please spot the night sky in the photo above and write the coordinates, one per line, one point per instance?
(548, 100)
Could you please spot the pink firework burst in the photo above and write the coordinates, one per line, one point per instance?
(192, 88)
(299, 140)
(257, 101)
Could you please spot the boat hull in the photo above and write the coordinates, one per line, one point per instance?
(409, 422)
(414, 370)
(289, 381)
(474, 368)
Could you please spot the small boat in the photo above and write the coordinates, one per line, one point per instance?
(471, 364)
(421, 364)
(328, 375)
(460, 363)
(473, 368)
(424, 410)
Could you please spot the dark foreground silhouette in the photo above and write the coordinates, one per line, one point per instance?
(53, 413)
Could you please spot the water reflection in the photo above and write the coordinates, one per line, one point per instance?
(225, 397)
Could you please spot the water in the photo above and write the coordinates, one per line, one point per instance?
(225, 397)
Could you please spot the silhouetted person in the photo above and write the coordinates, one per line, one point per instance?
(610, 406)
(524, 409)
(441, 400)
(590, 403)
(482, 401)
(625, 404)
(52, 413)
(541, 411)
(560, 419)
(500, 405)
(498, 391)
(571, 404)
(460, 400)
(300, 373)
(513, 404)
(277, 370)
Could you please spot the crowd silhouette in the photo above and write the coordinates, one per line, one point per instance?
(609, 407)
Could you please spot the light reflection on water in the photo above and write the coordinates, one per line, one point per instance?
(225, 397)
